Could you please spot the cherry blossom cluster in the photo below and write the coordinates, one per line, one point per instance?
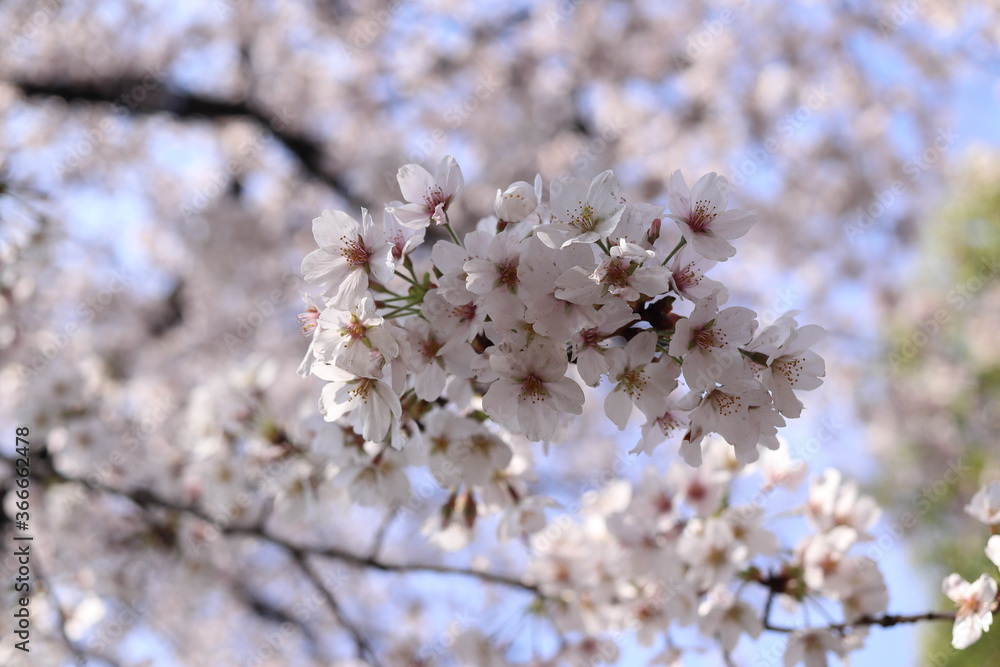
(511, 319)
(977, 600)
(688, 549)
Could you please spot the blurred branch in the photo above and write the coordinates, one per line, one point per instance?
(885, 621)
(81, 656)
(146, 499)
(362, 645)
(189, 106)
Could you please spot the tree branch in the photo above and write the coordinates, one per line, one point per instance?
(145, 498)
(121, 93)
(885, 620)
(362, 644)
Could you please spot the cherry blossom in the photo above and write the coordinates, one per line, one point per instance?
(348, 253)
(428, 197)
(533, 389)
(976, 602)
(702, 216)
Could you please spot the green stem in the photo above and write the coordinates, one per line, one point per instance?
(447, 225)
(680, 244)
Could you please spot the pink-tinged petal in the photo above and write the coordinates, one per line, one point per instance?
(733, 224)
(591, 365)
(955, 587)
(415, 183)
(429, 383)
(412, 216)
(334, 401)
(383, 340)
(576, 286)
(993, 549)
(690, 451)
(448, 177)
(640, 350)
(651, 280)
(966, 631)
(389, 398)
(603, 194)
(805, 337)
(351, 290)
(538, 421)
(509, 365)
(319, 266)
(708, 245)
(618, 408)
(713, 189)
(567, 396)
(500, 400)
(547, 360)
(679, 196)
(381, 264)
(683, 335)
(481, 275)
(331, 226)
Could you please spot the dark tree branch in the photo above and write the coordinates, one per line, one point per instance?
(361, 643)
(884, 620)
(123, 94)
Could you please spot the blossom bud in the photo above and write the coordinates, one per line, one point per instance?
(654, 230)
(516, 203)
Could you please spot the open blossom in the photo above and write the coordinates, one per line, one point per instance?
(810, 647)
(371, 403)
(975, 602)
(348, 337)
(349, 251)
(583, 215)
(532, 390)
(702, 216)
(709, 341)
(428, 197)
(985, 505)
(587, 344)
(638, 379)
(726, 616)
(834, 501)
(790, 364)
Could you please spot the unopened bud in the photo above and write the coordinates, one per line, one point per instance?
(516, 203)
(654, 230)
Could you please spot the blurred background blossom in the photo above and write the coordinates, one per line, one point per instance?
(161, 164)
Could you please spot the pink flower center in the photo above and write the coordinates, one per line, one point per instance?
(633, 381)
(533, 389)
(355, 252)
(617, 273)
(508, 275)
(707, 337)
(309, 320)
(702, 215)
